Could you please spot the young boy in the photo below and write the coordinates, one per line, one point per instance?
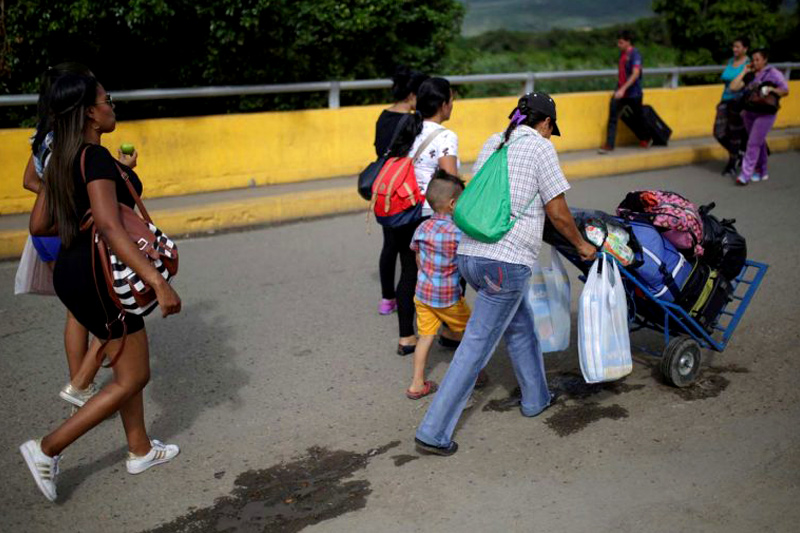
(438, 295)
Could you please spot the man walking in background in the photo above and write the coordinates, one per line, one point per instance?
(628, 95)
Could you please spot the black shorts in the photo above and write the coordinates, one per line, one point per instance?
(75, 286)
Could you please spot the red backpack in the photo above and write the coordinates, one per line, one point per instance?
(396, 198)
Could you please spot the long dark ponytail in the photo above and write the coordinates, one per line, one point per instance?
(44, 123)
(433, 93)
(521, 115)
(70, 96)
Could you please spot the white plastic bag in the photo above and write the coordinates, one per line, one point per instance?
(549, 297)
(34, 276)
(604, 346)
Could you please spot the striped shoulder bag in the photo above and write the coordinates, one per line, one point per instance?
(129, 293)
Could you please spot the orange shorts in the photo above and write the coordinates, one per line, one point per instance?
(429, 319)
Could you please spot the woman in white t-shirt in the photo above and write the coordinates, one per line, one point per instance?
(434, 106)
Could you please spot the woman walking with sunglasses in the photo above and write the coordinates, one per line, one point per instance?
(82, 112)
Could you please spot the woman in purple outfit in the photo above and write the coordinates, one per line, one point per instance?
(758, 76)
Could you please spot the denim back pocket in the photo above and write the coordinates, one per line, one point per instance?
(495, 275)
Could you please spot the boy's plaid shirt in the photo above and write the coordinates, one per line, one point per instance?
(436, 240)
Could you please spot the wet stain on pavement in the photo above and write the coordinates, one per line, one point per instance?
(565, 386)
(286, 497)
(400, 460)
(710, 384)
(571, 419)
(502, 405)
(573, 387)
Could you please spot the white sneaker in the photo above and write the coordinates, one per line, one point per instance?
(159, 453)
(77, 397)
(43, 467)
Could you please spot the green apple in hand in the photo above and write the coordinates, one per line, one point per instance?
(127, 148)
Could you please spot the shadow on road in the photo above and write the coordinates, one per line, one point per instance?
(193, 371)
(192, 368)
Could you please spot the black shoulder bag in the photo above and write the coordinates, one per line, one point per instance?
(367, 176)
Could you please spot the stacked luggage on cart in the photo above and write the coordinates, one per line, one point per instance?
(681, 253)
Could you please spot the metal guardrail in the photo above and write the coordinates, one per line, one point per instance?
(334, 88)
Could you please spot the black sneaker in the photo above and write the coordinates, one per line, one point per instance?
(444, 451)
(452, 344)
(730, 168)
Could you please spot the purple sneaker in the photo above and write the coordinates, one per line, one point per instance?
(387, 307)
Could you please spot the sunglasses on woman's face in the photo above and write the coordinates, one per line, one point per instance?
(108, 101)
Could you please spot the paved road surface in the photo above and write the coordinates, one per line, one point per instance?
(280, 383)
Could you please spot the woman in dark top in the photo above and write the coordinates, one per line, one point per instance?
(406, 82)
(82, 112)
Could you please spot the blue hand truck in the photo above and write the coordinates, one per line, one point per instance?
(683, 335)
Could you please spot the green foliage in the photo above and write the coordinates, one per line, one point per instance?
(134, 44)
(545, 15)
(703, 30)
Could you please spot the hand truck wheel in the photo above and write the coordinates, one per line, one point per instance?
(680, 361)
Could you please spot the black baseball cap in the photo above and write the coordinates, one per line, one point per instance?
(541, 102)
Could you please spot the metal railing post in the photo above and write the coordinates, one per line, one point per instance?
(333, 95)
(787, 73)
(530, 82)
(673, 80)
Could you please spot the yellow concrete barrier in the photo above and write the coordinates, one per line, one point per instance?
(336, 200)
(190, 155)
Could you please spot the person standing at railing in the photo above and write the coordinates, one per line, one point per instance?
(767, 80)
(405, 85)
(729, 127)
(628, 95)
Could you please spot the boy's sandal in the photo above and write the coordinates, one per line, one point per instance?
(429, 388)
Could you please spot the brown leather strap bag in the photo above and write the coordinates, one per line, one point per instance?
(129, 293)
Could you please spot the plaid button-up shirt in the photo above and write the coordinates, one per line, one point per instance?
(436, 240)
(534, 174)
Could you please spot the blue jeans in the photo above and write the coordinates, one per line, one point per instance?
(501, 309)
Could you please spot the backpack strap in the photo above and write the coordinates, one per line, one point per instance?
(505, 147)
(535, 196)
(428, 140)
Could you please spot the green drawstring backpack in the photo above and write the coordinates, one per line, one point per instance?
(483, 211)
